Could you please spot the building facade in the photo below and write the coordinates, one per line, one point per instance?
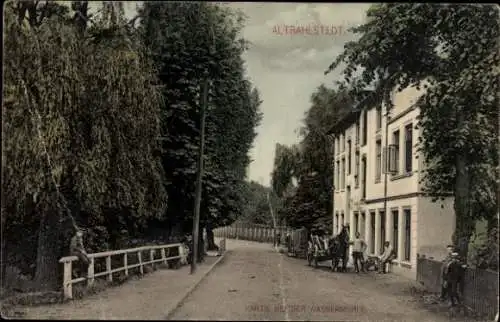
(378, 188)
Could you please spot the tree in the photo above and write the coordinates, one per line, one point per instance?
(81, 132)
(310, 163)
(453, 51)
(285, 170)
(255, 208)
(190, 41)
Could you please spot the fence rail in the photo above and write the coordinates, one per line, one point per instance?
(164, 252)
(250, 232)
(480, 289)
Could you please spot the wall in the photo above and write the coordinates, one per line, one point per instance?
(406, 98)
(436, 225)
(374, 189)
(404, 183)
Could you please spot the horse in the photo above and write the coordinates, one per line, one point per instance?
(343, 238)
(338, 250)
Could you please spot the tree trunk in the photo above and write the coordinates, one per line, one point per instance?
(464, 223)
(48, 250)
(201, 246)
(211, 239)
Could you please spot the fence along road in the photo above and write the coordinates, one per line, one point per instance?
(253, 232)
(151, 251)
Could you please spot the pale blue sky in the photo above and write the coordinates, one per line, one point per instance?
(287, 68)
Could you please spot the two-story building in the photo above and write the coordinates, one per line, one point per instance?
(378, 188)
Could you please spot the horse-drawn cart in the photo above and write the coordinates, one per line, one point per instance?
(314, 256)
(297, 243)
(318, 251)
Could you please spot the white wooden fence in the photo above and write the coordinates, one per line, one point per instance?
(67, 261)
(251, 232)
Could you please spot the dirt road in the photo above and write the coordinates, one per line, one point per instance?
(256, 283)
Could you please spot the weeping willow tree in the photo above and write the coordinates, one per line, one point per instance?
(81, 129)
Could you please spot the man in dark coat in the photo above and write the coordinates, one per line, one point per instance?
(453, 276)
(446, 260)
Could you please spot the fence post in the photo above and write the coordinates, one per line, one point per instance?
(125, 263)
(108, 268)
(90, 272)
(68, 287)
(152, 258)
(163, 256)
(139, 259)
(181, 253)
(222, 247)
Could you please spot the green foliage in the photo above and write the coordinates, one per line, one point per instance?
(484, 252)
(454, 49)
(83, 115)
(190, 41)
(102, 124)
(310, 164)
(256, 205)
(285, 168)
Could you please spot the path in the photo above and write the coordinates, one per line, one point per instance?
(252, 282)
(150, 298)
(256, 283)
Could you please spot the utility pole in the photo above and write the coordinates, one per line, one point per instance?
(272, 215)
(385, 166)
(271, 210)
(199, 176)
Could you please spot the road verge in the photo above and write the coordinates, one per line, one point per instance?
(182, 297)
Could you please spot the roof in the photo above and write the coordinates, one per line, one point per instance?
(344, 122)
(351, 116)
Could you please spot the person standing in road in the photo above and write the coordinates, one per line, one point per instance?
(278, 239)
(444, 286)
(358, 247)
(454, 272)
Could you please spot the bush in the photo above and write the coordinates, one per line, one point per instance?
(484, 253)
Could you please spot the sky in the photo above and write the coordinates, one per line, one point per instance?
(287, 67)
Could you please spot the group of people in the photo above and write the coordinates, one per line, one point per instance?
(360, 256)
(339, 248)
